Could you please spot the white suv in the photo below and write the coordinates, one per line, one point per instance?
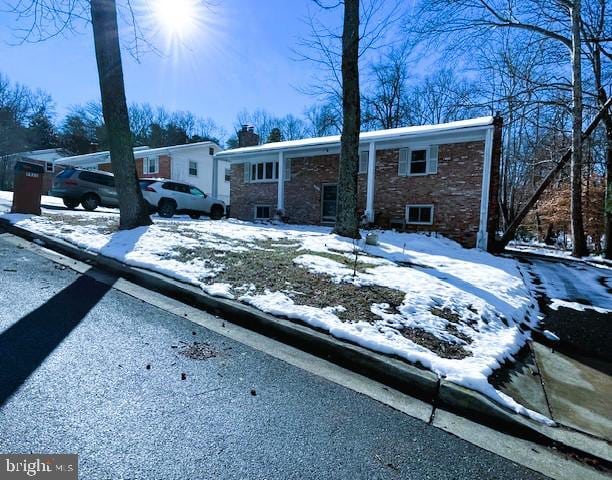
(168, 197)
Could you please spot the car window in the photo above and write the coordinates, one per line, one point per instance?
(169, 186)
(182, 188)
(106, 180)
(145, 183)
(65, 173)
(197, 192)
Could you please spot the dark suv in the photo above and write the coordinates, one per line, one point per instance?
(90, 188)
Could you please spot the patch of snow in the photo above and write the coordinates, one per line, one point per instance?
(555, 303)
(551, 336)
(219, 290)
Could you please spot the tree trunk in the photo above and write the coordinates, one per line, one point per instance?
(602, 98)
(347, 218)
(132, 207)
(579, 247)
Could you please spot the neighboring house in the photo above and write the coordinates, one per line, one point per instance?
(438, 178)
(45, 158)
(193, 163)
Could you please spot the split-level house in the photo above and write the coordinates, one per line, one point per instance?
(436, 178)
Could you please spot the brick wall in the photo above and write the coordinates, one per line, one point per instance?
(244, 197)
(455, 191)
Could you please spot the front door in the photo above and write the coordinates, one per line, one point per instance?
(329, 200)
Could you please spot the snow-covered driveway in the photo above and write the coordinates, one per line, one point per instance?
(574, 285)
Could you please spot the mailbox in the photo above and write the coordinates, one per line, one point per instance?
(28, 187)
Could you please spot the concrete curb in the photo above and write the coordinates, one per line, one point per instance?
(393, 372)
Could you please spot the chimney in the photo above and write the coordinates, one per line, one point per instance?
(247, 136)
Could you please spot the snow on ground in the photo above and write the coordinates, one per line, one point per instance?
(47, 202)
(574, 285)
(463, 298)
(555, 252)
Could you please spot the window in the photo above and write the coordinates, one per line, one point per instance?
(228, 174)
(263, 212)
(363, 161)
(97, 178)
(66, 173)
(176, 187)
(150, 165)
(419, 214)
(197, 192)
(211, 151)
(49, 166)
(193, 168)
(418, 161)
(264, 171)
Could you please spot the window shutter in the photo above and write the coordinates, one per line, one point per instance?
(287, 169)
(247, 172)
(432, 161)
(363, 161)
(404, 162)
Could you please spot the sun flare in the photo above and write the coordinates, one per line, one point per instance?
(177, 18)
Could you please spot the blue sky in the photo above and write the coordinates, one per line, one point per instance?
(240, 58)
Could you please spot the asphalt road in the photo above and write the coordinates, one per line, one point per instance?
(87, 369)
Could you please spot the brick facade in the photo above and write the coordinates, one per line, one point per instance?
(454, 191)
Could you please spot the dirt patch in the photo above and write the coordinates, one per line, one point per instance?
(104, 225)
(436, 345)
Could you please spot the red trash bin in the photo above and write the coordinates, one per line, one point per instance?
(28, 187)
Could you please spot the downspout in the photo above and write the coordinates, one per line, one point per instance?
(482, 236)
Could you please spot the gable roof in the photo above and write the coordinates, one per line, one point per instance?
(480, 123)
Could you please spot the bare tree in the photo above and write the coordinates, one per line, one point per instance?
(48, 18)
(347, 219)
(132, 207)
(559, 22)
(388, 103)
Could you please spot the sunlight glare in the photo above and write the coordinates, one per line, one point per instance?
(178, 18)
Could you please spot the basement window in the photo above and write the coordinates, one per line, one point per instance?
(419, 214)
(263, 212)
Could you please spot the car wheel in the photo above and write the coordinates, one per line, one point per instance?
(71, 203)
(90, 202)
(195, 216)
(167, 208)
(216, 212)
